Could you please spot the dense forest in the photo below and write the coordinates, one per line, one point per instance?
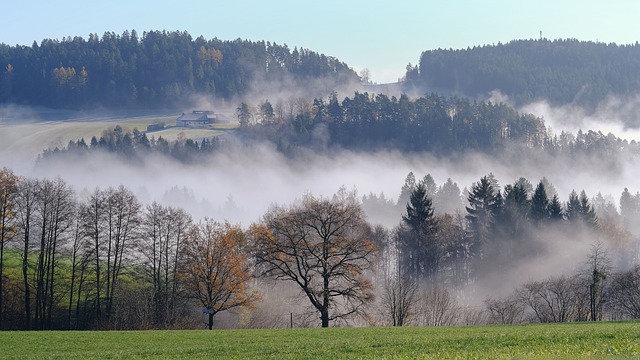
(560, 71)
(432, 123)
(158, 69)
(74, 259)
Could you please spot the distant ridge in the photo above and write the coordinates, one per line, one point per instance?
(560, 71)
(158, 69)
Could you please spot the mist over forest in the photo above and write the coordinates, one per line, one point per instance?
(487, 202)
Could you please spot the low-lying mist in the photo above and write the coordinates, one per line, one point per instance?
(241, 180)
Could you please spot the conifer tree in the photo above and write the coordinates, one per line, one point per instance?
(417, 241)
(540, 204)
(485, 203)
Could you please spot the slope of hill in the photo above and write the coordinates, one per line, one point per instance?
(560, 71)
(159, 69)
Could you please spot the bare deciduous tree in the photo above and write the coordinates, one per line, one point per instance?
(8, 194)
(27, 189)
(504, 311)
(594, 275)
(123, 219)
(324, 247)
(625, 290)
(551, 300)
(399, 299)
(163, 230)
(55, 212)
(437, 307)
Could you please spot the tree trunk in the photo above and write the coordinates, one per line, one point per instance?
(25, 278)
(211, 320)
(324, 316)
(1, 266)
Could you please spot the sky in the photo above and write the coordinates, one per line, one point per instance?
(381, 36)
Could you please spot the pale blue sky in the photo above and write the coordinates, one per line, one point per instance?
(380, 36)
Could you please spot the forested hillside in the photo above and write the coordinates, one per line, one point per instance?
(434, 124)
(158, 69)
(560, 71)
(440, 125)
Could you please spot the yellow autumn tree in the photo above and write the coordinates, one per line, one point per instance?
(215, 270)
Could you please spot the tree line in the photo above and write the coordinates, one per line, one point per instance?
(436, 124)
(432, 123)
(490, 232)
(158, 69)
(102, 260)
(559, 71)
(134, 146)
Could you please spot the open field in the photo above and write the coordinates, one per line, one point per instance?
(18, 137)
(541, 341)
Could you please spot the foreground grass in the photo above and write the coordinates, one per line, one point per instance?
(564, 341)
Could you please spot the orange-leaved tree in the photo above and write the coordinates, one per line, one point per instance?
(215, 270)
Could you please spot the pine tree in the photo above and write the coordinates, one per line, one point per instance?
(417, 242)
(419, 209)
(406, 190)
(555, 209)
(573, 207)
(485, 204)
(540, 204)
(587, 212)
(516, 208)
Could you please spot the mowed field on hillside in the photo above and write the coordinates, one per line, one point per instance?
(30, 135)
(539, 341)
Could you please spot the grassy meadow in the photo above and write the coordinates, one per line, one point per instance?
(539, 341)
(20, 136)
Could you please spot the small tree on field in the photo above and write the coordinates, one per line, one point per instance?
(399, 299)
(243, 113)
(215, 271)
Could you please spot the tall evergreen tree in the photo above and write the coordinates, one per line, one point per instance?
(485, 203)
(555, 209)
(417, 242)
(573, 207)
(540, 204)
(406, 190)
(516, 208)
(629, 206)
(587, 212)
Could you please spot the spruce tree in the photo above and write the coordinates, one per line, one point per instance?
(587, 212)
(540, 204)
(417, 241)
(485, 203)
(555, 209)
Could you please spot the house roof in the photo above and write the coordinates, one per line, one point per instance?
(193, 117)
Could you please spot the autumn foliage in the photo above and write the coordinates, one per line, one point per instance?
(215, 271)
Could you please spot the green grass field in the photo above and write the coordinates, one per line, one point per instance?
(541, 341)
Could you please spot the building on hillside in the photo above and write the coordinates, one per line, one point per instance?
(196, 118)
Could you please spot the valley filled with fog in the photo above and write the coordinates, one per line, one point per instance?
(488, 208)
